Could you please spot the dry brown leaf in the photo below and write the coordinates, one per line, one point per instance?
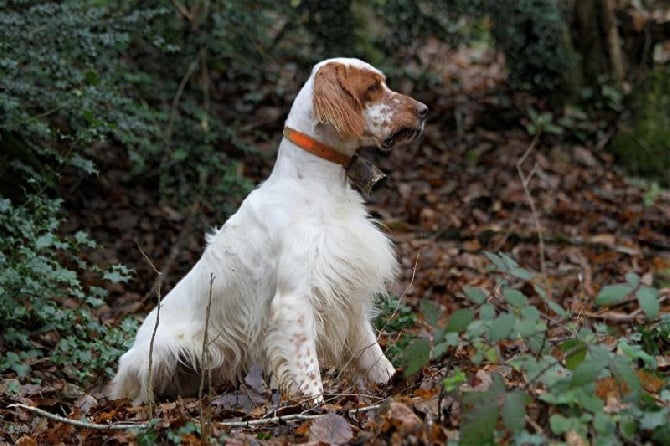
(331, 429)
(26, 441)
(400, 416)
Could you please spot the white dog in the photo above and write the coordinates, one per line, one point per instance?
(297, 268)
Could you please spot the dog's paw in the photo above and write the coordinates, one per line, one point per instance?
(382, 371)
(312, 389)
(317, 400)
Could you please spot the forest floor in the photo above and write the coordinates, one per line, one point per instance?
(451, 196)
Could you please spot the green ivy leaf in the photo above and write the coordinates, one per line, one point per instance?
(497, 262)
(476, 294)
(439, 350)
(628, 427)
(454, 380)
(415, 356)
(636, 352)
(632, 279)
(501, 327)
(603, 423)
(622, 371)
(5, 205)
(556, 308)
(514, 411)
(430, 311)
(576, 357)
(487, 312)
(530, 313)
(521, 273)
(84, 164)
(587, 372)
(652, 420)
(91, 77)
(560, 424)
(114, 277)
(612, 294)
(460, 320)
(553, 129)
(647, 297)
(44, 241)
(480, 420)
(515, 297)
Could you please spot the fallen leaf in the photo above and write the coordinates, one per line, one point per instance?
(399, 416)
(26, 441)
(331, 429)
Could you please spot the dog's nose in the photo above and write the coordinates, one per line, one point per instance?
(421, 109)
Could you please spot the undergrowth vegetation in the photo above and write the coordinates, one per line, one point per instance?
(46, 310)
(81, 76)
(589, 381)
(169, 86)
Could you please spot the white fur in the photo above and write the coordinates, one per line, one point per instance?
(295, 271)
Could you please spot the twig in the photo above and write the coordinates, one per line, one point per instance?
(182, 10)
(229, 423)
(78, 423)
(411, 282)
(525, 179)
(620, 316)
(292, 417)
(180, 91)
(395, 311)
(536, 218)
(205, 368)
(150, 374)
(174, 252)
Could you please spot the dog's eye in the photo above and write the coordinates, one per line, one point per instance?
(374, 88)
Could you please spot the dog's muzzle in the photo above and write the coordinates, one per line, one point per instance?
(402, 136)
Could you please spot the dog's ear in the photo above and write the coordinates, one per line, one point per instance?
(336, 102)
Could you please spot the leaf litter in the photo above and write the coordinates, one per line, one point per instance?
(452, 196)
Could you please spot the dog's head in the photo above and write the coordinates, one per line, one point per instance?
(352, 97)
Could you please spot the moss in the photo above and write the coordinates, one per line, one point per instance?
(642, 145)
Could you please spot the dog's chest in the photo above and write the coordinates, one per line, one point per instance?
(319, 240)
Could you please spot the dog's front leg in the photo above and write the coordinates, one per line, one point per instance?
(291, 345)
(371, 360)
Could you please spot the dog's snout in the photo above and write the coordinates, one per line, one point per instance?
(421, 109)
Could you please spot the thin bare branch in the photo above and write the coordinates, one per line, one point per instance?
(206, 372)
(78, 423)
(525, 179)
(228, 423)
(150, 372)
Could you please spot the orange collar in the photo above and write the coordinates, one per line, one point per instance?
(315, 147)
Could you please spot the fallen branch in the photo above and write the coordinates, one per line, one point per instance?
(78, 423)
(292, 417)
(229, 423)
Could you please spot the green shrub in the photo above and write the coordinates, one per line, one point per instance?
(395, 317)
(557, 373)
(46, 311)
(643, 144)
(536, 41)
(133, 76)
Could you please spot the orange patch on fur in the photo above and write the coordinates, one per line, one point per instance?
(339, 95)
